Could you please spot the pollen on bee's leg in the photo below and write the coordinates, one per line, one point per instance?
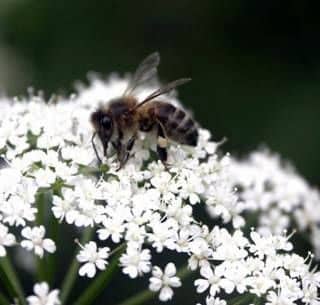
(162, 142)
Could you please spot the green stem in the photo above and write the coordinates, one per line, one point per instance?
(100, 282)
(3, 300)
(256, 300)
(6, 284)
(117, 249)
(52, 258)
(71, 276)
(43, 200)
(251, 221)
(146, 295)
(11, 281)
(139, 298)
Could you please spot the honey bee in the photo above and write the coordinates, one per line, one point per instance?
(120, 120)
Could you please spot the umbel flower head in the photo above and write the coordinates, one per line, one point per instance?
(144, 209)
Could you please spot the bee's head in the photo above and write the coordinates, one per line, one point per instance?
(102, 122)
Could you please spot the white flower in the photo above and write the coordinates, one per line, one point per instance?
(213, 279)
(35, 240)
(262, 245)
(135, 261)
(44, 177)
(9, 178)
(43, 296)
(260, 284)
(191, 187)
(16, 211)
(201, 253)
(182, 214)
(227, 247)
(62, 207)
(93, 257)
(112, 227)
(279, 298)
(311, 295)
(47, 140)
(163, 281)
(114, 224)
(78, 154)
(6, 239)
(162, 233)
(164, 184)
(214, 301)
(116, 191)
(237, 272)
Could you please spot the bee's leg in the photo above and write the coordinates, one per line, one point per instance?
(162, 145)
(95, 148)
(129, 147)
(127, 150)
(117, 145)
(120, 149)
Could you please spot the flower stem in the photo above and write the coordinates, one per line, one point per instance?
(71, 276)
(52, 258)
(43, 200)
(117, 249)
(11, 281)
(257, 301)
(3, 300)
(146, 295)
(139, 298)
(101, 281)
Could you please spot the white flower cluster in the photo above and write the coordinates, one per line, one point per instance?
(17, 209)
(150, 209)
(281, 198)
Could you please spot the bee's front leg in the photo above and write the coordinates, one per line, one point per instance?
(125, 154)
(95, 148)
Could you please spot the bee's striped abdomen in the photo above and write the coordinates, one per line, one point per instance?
(178, 125)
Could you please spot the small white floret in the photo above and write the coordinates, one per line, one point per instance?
(164, 281)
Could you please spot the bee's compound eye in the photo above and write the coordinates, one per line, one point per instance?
(106, 122)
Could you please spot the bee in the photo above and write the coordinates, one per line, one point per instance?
(119, 121)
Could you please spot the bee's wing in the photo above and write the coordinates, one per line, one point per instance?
(145, 72)
(163, 90)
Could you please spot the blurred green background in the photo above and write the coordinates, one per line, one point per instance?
(255, 64)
